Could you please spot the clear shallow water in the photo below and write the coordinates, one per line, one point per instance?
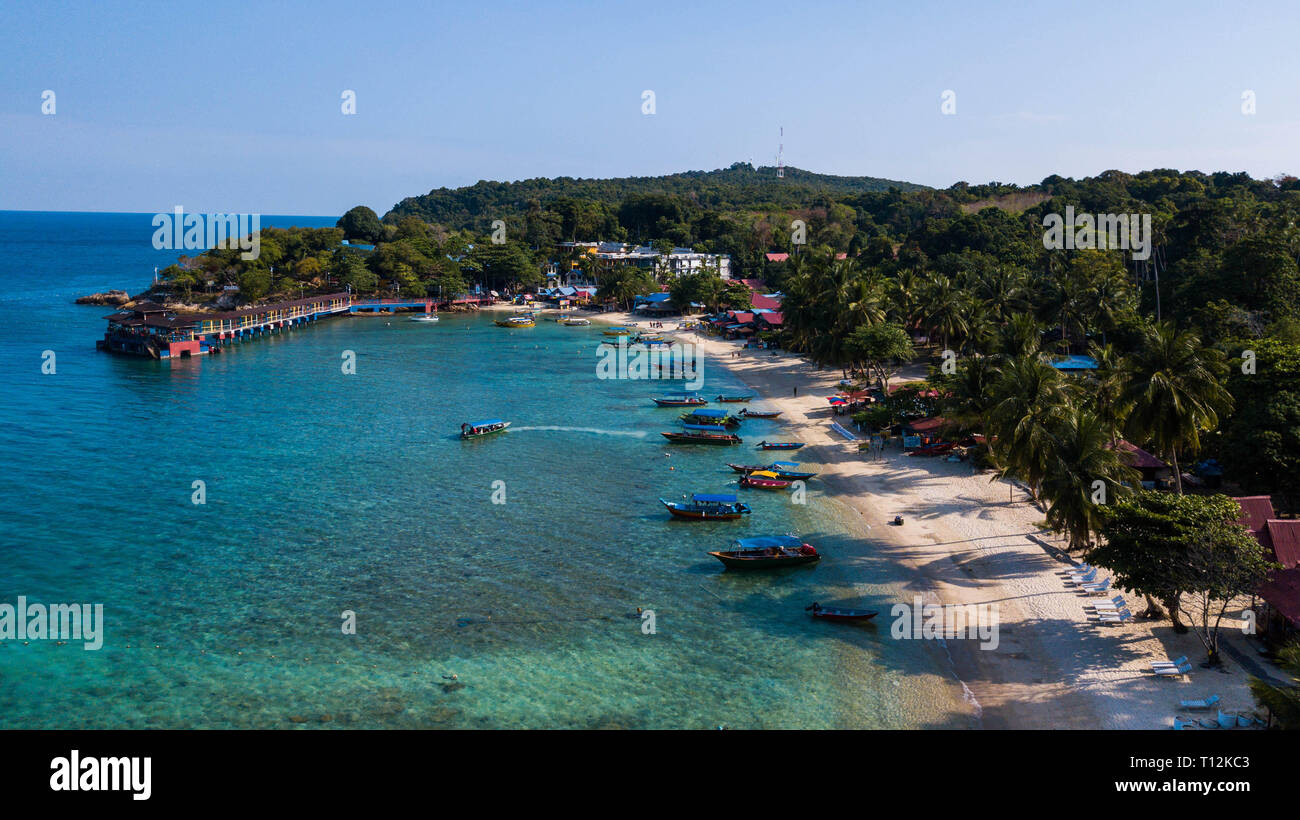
(328, 492)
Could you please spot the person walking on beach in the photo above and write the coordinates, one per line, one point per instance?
(796, 389)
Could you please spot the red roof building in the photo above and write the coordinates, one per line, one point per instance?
(763, 302)
(1281, 536)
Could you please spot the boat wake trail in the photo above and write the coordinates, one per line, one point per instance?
(598, 431)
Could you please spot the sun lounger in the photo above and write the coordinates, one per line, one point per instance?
(1172, 671)
(1085, 578)
(1114, 603)
(1180, 724)
(1227, 721)
(1204, 703)
(1117, 617)
(1098, 588)
(1178, 661)
(1246, 721)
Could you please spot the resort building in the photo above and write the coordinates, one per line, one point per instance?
(620, 254)
(1280, 615)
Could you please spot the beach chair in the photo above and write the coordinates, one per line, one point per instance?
(1178, 661)
(1227, 721)
(1114, 603)
(1085, 578)
(1180, 724)
(1096, 588)
(1246, 721)
(1173, 671)
(1119, 617)
(1203, 703)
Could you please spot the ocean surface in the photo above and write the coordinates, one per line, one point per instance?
(329, 493)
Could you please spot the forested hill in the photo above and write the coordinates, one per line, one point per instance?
(738, 188)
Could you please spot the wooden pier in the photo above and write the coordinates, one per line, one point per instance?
(151, 329)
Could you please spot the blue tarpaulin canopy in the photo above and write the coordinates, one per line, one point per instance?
(708, 498)
(1075, 363)
(785, 464)
(707, 413)
(765, 541)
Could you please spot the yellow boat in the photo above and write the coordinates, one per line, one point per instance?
(619, 331)
(517, 321)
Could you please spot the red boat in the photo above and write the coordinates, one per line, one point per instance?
(835, 613)
(938, 449)
(763, 480)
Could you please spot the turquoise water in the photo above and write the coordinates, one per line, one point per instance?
(328, 492)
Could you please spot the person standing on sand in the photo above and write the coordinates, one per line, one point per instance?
(796, 389)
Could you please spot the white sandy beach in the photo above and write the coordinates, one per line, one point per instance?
(964, 542)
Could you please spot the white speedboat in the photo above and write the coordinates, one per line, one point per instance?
(426, 317)
(577, 321)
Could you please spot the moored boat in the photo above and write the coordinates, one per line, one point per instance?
(425, 317)
(619, 330)
(838, 613)
(576, 321)
(746, 468)
(684, 400)
(701, 437)
(768, 552)
(780, 445)
(764, 480)
(734, 398)
(517, 321)
(486, 427)
(786, 470)
(708, 507)
(712, 418)
(760, 414)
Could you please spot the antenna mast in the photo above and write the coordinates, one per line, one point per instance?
(780, 153)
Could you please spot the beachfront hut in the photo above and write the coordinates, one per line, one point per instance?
(655, 304)
(1154, 471)
(919, 432)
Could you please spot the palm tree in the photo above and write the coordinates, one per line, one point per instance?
(1021, 336)
(1082, 454)
(1005, 292)
(1032, 397)
(946, 311)
(1172, 392)
(1103, 394)
(971, 395)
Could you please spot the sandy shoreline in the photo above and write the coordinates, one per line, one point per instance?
(964, 542)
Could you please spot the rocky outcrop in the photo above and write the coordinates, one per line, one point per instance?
(111, 298)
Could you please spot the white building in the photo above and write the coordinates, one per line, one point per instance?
(679, 261)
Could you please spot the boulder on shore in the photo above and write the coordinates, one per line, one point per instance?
(111, 298)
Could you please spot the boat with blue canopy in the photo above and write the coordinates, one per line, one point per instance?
(768, 552)
(708, 507)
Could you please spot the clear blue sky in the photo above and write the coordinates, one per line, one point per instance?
(234, 107)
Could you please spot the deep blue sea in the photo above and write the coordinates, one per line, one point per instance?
(328, 492)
